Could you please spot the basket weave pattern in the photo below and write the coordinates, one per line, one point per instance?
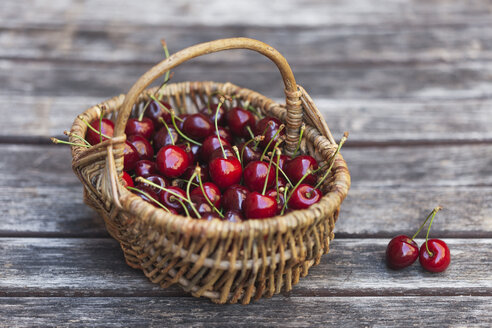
(226, 262)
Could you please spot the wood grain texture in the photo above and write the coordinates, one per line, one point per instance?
(354, 267)
(282, 312)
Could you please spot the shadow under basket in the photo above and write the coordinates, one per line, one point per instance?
(224, 261)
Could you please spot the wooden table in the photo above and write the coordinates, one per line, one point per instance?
(411, 81)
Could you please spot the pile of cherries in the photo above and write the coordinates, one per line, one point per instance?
(219, 163)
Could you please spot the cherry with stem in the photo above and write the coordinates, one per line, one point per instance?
(303, 127)
(58, 141)
(184, 136)
(167, 129)
(332, 160)
(197, 171)
(281, 127)
(71, 134)
(149, 197)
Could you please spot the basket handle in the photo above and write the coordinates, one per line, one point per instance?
(293, 95)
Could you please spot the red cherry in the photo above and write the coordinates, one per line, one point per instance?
(212, 192)
(258, 206)
(255, 174)
(440, 258)
(142, 145)
(189, 151)
(248, 153)
(280, 199)
(130, 158)
(201, 205)
(209, 216)
(210, 145)
(268, 127)
(164, 138)
(180, 122)
(169, 200)
(282, 160)
(191, 169)
(107, 128)
(298, 167)
(225, 172)
(211, 112)
(154, 112)
(225, 134)
(197, 127)
(219, 154)
(233, 216)
(156, 179)
(149, 192)
(401, 252)
(233, 198)
(145, 127)
(144, 168)
(238, 119)
(172, 161)
(304, 196)
(127, 180)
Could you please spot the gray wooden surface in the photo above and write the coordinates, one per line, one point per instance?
(411, 81)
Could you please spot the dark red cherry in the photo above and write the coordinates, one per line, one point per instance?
(212, 192)
(191, 169)
(145, 127)
(255, 174)
(107, 128)
(209, 216)
(158, 180)
(233, 216)
(296, 168)
(268, 127)
(127, 180)
(440, 256)
(225, 172)
(201, 205)
(210, 145)
(180, 122)
(197, 127)
(401, 252)
(169, 200)
(282, 160)
(238, 119)
(258, 206)
(154, 112)
(144, 168)
(248, 153)
(218, 153)
(233, 198)
(188, 148)
(142, 145)
(225, 134)
(280, 199)
(130, 158)
(172, 161)
(304, 196)
(149, 192)
(163, 138)
(210, 113)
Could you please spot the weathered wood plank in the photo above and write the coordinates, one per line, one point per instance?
(367, 121)
(462, 80)
(354, 267)
(278, 312)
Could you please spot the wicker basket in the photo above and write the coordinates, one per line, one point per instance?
(226, 262)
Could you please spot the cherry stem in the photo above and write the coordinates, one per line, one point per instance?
(280, 128)
(164, 107)
(198, 171)
(90, 127)
(283, 173)
(294, 189)
(152, 97)
(221, 101)
(267, 175)
(423, 224)
(303, 127)
(276, 172)
(332, 160)
(184, 136)
(167, 129)
(251, 134)
(71, 134)
(257, 138)
(188, 195)
(270, 123)
(58, 141)
(181, 203)
(285, 200)
(434, 212)
(236, 151)
(149, 197)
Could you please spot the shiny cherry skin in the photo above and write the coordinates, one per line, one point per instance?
(233, 216)
(238, 119)
(201, 205)
(149, 192)
(233, 198)
(211, 144)
(172, 161)
(440, 259)
(154, 112)
(297, 167)
(145, 127)
(280, 200)
(189, 151)
(225, 134)
(198, 127)
(218, 153)
(163, 138)
(225, 172)
(180, 122)
(282, 160)
(171, 201)
(143, 146)
(209, 216)
(211, 191)
(144, 168)
(211, 112)
(127, 180)
(130, 157)
(191, 169)
(158, 180)
(268, 127)
(258, 206)
(107, 128)
(401, 252)
(255, 174)
(304, 196)
(248, 153)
